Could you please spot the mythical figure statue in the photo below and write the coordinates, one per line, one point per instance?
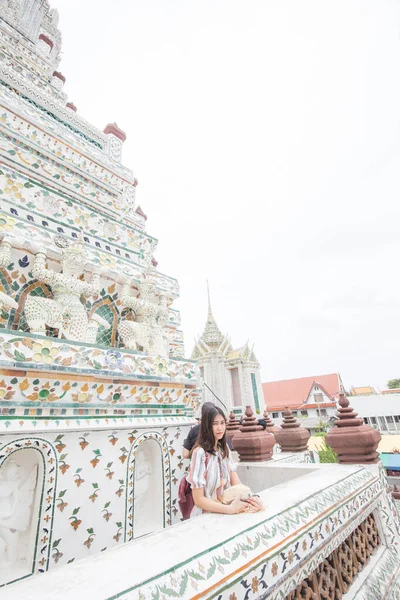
(65, 312)
(15, 501)
(151, 313)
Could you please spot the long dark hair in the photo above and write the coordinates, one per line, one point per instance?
(206, 437)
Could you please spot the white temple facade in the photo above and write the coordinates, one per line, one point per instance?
(230, 376)
(95, 395)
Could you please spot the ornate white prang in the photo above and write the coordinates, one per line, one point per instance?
(151, 313)
(65, 312)
(15, 514)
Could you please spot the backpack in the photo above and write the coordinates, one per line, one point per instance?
(185, 496)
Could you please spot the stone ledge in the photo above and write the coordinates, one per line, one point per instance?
(216, 554)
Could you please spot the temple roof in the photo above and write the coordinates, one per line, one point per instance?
(213, 340)
(244, 353)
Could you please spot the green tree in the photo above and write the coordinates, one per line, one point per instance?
(393, 383)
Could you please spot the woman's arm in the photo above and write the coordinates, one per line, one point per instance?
(237, 506)
(234, 478)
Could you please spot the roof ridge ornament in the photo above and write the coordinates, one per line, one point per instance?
(353, 441)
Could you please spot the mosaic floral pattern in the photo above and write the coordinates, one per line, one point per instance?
(44, 131)
(384, 581)
(28, 350)
(57, 208)
(303, 534)
(17, 281)
(87, 505)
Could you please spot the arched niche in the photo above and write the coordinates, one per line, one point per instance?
(149, 498)
(37, 288)
(106, 309)
(26, 452)
(21, 482)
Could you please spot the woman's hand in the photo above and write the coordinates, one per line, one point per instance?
(255, 503)
(237, 506)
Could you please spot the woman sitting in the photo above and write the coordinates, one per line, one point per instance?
(212, 470)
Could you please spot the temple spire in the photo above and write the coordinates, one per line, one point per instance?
(210, 316)
(212, 336)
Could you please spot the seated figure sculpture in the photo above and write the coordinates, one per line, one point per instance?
(151, 313)
(16, 498)
(65, 311)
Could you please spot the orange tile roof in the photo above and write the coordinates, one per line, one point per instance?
(320, 405)
(294, 392)
(391, 391)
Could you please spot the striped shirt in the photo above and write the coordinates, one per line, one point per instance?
(214, 477)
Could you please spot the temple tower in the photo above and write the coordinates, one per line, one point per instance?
(230, 375)
(96, 397)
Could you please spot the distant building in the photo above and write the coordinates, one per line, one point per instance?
(391, 391)
(310, 398)
(362, 391)
(231, 375)
(382, 411)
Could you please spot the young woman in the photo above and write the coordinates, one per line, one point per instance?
(212, 470)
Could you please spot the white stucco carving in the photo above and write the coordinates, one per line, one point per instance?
(5, 253)
(148, 483)
(16, 498)
(65, 311)
(151, 314)
(142, 474)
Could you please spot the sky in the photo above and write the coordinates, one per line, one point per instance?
(265, 135)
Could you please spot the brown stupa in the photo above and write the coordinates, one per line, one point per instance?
(251, 442)
(232, 427)
(292, 437)
(353, 441)
(271, 427)
(396, 493)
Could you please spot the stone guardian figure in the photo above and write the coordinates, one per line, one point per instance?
(151, 314)
(65, 311)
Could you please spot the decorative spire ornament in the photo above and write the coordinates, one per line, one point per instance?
(353, 441)
(292, 437)
(271, 427)
(252, 443)
(232, 427)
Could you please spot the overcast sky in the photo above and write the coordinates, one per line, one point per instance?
(265, 135)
